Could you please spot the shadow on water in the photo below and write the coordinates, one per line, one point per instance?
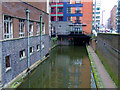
(67, 67)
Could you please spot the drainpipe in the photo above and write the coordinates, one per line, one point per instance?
(27, 12)
(41, 36)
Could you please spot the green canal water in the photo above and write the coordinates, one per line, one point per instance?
(67, 67)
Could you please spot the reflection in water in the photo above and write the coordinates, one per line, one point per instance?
(67, 67)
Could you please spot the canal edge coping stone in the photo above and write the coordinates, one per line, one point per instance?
(96, 74)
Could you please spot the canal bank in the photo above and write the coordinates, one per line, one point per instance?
(102, 78)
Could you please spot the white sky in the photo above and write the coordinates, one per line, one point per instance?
(107, 5)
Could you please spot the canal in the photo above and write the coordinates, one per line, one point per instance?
(67, 67)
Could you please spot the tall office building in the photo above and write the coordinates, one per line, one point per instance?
(96, 14)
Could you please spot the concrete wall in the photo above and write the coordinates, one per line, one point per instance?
(108, 47)
(13, 47)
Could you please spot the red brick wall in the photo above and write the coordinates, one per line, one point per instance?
(87, 15)
(15, 28)
(18, 9)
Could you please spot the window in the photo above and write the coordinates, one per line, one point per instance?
(52, 18)
(60, 1)
(21, 28)
(31, 29)
(69, 10)
(31, 50)
(68, 18)
(98, 17)
(97, 12)
(43, 28)
(52, 10)
(42, 46)
(22, 54)
(38, 29)
(7, 61)
(98, 8)
(38, 47)
(60, 18)
(60, 9)
(8, 28)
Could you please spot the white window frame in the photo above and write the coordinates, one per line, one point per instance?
(38, 47)
(8, 34)
(38, 29)
(23, 54)
(31, 29)
(21, 22)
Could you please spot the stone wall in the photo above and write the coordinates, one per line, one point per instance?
(108, 48)
(12, 48)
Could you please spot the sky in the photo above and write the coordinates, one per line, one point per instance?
(107, 5)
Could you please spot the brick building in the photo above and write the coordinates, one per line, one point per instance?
(13, 37)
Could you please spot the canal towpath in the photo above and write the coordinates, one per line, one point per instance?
(106, 79)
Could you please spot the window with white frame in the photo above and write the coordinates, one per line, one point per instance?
(8, 27)
(31, 29)
(31, 50)
(43, 28)
(21, 28)
(38, 29)
(38, 47)
(22, 54)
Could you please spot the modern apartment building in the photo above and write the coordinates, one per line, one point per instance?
(96, 14)
(15, 46)
(73, 10)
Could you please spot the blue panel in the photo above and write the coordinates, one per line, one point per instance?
(74, 15)
(74, 5)
(65, 11)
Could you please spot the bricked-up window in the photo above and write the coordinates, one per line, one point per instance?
(8, 27)
(38, 29)
(31, 29)
(38, 47)
(31, 50)
(22, 54)
(7, 61)
(21, 28)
